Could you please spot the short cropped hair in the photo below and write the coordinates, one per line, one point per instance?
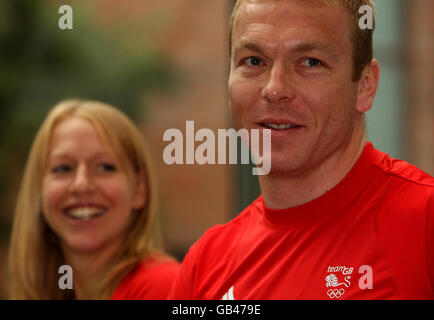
(362, 39)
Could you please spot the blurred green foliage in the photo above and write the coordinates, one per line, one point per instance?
(41, 65)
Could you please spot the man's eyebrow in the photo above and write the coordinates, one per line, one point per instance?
(317, 45)
(302, 47)
(248, 45)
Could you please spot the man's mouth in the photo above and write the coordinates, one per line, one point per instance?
(280, 126)
(84, 212)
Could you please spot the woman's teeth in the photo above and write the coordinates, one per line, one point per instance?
(84, 213)
(279, 126)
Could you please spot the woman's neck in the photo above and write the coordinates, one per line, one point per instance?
(86, 266)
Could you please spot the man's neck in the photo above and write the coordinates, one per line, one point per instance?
(281, 192)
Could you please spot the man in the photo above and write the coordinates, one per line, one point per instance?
(337, 219)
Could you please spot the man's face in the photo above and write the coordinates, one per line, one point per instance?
(291, 71)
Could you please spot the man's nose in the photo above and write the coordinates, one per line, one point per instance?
(82, 182)
(279, 87)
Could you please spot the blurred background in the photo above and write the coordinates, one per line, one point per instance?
(165, 62)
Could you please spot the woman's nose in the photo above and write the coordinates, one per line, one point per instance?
(82, 182)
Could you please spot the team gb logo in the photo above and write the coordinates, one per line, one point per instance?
(336, 288)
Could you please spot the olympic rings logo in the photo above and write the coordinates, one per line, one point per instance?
(335, 293)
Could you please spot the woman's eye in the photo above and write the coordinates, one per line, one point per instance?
(311, 62)
(253, 61)
(106, 167)
(61, 168)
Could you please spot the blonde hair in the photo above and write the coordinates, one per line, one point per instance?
(34, 252)
(362, 40)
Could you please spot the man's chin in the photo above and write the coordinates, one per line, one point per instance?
(286, 166)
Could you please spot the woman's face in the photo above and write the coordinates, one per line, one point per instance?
(87, 198)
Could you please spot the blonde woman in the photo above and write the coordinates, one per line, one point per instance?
(87, 200)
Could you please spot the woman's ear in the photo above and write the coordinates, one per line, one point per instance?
(368, 85)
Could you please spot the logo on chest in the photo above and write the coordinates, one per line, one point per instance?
(339, 279)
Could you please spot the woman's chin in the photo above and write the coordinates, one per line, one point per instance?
(82, 245)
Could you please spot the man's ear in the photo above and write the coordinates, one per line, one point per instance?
(368, 85)
(140, 194)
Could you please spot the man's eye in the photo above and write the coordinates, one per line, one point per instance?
(61, 168)
(106, 167)
(311, 62)
(253, 61)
